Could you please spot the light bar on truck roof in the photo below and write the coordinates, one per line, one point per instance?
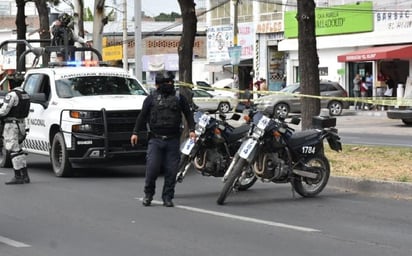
(78, 63)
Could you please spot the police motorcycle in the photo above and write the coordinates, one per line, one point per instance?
(278, 154)
(217, 141)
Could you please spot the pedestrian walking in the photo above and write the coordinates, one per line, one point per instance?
(15, 109)
(357, 83)
(162, 113)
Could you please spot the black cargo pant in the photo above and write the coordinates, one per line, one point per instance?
(162, 154)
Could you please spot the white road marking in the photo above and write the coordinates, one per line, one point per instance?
(241, 218)
(11, 242)
(2, 173)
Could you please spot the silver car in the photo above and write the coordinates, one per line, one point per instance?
(283, 104)
(212, 103)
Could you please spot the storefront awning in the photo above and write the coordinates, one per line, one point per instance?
(378, 53)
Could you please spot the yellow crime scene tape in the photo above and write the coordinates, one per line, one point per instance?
(381, 101)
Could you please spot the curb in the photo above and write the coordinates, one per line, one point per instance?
(373, 187)
(349, 112)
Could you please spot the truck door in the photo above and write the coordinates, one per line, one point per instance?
(38, 87)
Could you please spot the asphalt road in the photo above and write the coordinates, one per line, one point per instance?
(373, 128)
(99, 212)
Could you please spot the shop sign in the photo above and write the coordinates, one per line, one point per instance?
(113, 53)
(393, 20)
(361, 57)
(272, 26)
(219, 38)
(335, 20)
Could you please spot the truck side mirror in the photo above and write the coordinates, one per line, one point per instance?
(39, 98)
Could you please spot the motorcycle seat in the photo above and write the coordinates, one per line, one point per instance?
(303, 137)
(238, 133)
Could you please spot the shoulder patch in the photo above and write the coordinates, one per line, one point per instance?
(7, 98)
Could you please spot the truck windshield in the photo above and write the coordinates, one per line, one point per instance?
(98, 85)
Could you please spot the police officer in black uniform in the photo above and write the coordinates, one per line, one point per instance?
(162, 111)
(14, 110)
(63, 35)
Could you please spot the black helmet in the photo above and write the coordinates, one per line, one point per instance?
(162, 78)
(65, 19)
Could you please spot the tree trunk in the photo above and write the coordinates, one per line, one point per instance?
(44, 31)
(98, 24)
(21, 29)
(78, 16)
(185, 50)
(186, 44)
(308, 61)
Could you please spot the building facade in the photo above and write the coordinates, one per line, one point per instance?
(352, 37)
(358, 37)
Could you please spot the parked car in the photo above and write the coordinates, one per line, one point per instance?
(204, 85)
(283, 104)
(225, 87)
(206, 101)
(224, 83)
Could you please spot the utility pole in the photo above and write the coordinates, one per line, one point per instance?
(138, 39)
(235, 26)
(125, 59)
(236, 50)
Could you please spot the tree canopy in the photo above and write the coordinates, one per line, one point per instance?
(168, 17)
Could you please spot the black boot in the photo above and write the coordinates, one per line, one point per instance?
(17, 179)
(25, 175)
(147, 200)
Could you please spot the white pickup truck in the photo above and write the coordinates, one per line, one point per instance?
(82, 116)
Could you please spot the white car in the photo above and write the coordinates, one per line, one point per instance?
(222, 88)
(206, 101)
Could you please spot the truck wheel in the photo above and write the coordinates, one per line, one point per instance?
(5, 159)
(59, 157)
(407, 122)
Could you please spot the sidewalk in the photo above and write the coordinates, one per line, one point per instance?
(372, 187)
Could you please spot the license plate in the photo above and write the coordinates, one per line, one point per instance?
(263, 122)
(246, 148)
(204, 120)
(188, 146)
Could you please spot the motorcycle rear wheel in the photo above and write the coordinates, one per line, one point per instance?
(231, 180)
(307, 187)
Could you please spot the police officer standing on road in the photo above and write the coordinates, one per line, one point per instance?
(14, 110)
(162, 112)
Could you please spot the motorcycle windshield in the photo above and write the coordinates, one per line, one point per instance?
(197, 116)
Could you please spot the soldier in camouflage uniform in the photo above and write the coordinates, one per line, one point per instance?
(15, 109)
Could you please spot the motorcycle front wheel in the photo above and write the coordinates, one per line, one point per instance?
(183, 164)
(248, 181)
(231, 180)
(308, 187)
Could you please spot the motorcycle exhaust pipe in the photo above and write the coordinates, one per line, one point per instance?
(306, 174)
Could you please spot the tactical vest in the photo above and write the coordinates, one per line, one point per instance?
(165, 112)
(58, 36)
(23, 108)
